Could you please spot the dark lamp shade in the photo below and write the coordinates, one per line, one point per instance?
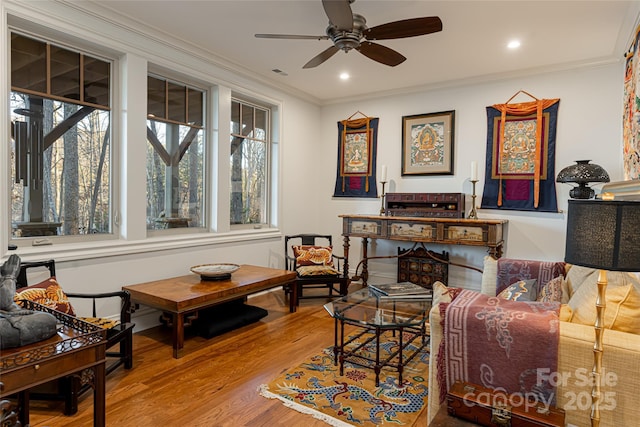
(604, 234)
(583, 172)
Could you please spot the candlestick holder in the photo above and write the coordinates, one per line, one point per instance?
(473, 214)
(382, 210)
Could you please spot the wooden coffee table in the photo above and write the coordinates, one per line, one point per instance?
(185, 295)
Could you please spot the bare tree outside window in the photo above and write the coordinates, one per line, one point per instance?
(249, 163)
(60, 140)
(66, 191)
(175, 155)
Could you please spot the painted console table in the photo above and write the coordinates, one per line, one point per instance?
(447, 231)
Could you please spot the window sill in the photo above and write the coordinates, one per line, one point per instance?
(104, 248)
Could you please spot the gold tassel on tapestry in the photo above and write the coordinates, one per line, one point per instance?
(355, 124)
(523, 109)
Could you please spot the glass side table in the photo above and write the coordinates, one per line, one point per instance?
(375, 314)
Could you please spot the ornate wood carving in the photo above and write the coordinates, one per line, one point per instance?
(8, 417)
(422, 267)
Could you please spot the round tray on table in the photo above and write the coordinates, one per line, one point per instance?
(218, 271)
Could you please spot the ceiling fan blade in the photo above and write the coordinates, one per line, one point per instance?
(381, 54)
(291, 37)
(321, 57)
(404, 28)
(339, 13)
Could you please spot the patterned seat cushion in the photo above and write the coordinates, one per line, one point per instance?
(103, 322)
(522, 290)
(552, 291)
(317, 270)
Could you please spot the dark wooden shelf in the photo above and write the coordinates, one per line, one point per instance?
(430, 205)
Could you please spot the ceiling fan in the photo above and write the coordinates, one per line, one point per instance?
(348, 30)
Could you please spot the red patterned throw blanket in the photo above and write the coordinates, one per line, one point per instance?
(501, 344)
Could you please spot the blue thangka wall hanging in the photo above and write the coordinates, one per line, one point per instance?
(357, 146)
(520, 162)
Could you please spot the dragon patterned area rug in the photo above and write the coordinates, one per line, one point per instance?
(316, 387)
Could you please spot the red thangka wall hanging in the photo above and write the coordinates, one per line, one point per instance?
(357, 146)
(520, 161)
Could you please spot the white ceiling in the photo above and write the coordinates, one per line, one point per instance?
(471, 47)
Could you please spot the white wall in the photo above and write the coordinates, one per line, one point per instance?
(589, 127)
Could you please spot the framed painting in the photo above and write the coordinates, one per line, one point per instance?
(427, 144)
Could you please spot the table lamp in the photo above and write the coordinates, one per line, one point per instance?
(602, 234)
(582, 173)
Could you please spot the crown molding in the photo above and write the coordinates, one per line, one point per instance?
(95, 22)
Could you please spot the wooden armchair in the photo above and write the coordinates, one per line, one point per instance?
(119, 333)
(311, 257)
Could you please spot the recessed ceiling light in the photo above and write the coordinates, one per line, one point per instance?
(344, 76)
(513, 44)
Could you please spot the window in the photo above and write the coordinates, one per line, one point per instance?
(60, 113)
(175, 154)
(250, 150)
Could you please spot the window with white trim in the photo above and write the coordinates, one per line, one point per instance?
(60, 114)
(175, 154)
(250, 160)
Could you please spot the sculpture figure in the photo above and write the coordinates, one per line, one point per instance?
(18, 326)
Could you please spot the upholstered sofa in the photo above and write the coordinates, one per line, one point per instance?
(621, 357)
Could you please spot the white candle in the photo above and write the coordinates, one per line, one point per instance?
(383, 175)
(474, 171)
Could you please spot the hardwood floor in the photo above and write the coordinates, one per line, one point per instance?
(216, 382)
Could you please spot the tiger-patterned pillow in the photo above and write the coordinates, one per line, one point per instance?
(313, 255)
(47, 293)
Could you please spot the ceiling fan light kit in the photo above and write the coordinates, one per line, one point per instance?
(349, 31)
